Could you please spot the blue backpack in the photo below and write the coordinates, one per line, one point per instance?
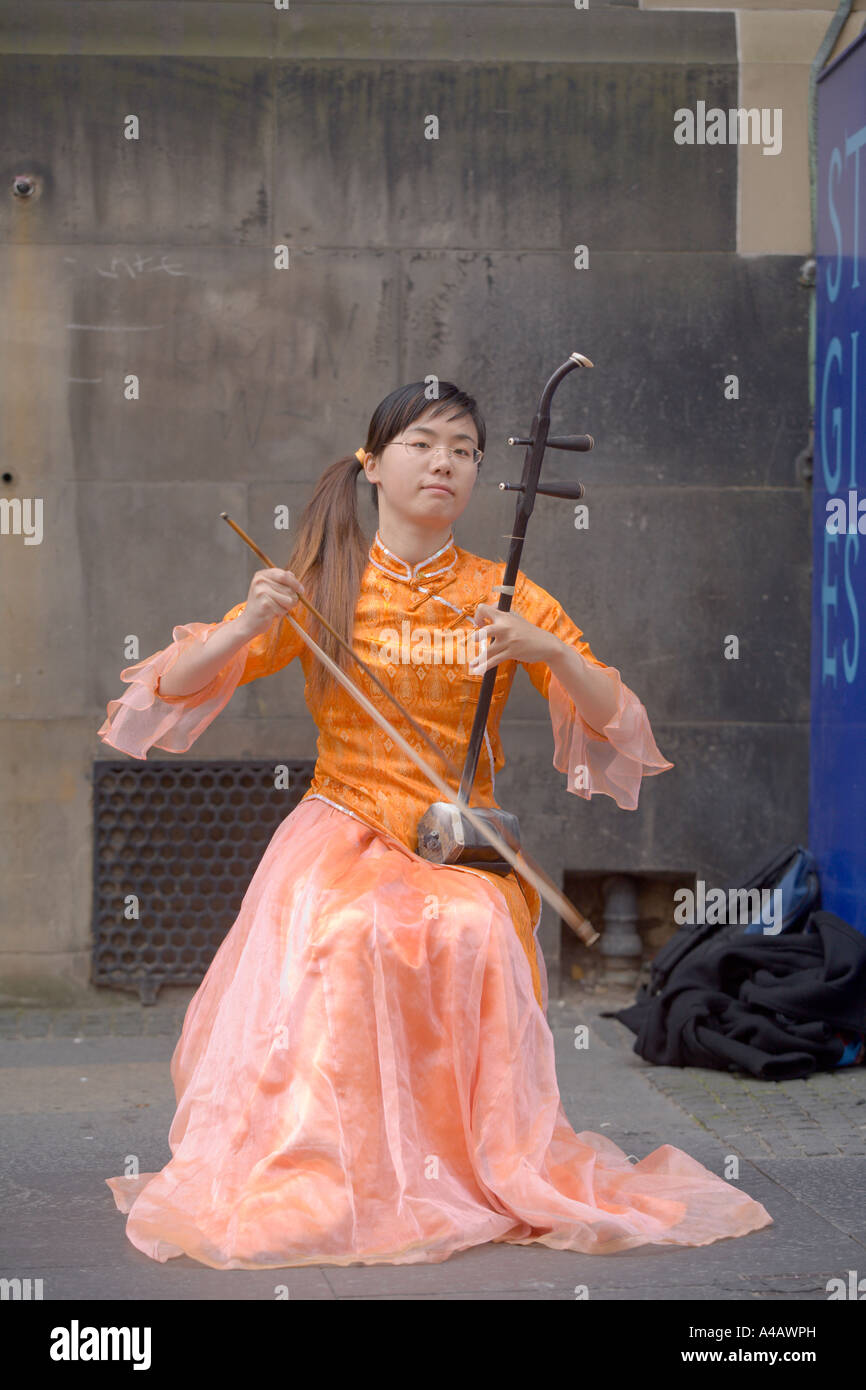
(795, 872)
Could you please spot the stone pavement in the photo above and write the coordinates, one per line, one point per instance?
(81, 1087)
(822, 1116)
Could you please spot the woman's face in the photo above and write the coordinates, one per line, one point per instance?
(410, 469)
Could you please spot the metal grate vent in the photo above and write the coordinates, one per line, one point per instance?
(175, 847)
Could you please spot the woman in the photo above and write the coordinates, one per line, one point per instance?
(366, 1074)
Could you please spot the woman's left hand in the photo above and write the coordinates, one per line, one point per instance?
(510, 637)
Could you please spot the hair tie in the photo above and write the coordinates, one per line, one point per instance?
(360, 455)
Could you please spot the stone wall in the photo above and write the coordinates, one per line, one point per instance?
(407, 256)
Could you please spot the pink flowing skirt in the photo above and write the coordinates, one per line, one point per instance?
(365, 1076)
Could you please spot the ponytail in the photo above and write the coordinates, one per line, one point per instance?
(329, 557)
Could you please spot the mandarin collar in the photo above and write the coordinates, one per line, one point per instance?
(438, 563)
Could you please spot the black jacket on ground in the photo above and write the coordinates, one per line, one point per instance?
(769, 1005)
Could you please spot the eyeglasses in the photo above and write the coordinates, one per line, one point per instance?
(420, 449)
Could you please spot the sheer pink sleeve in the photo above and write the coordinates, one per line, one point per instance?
(144, 718)
(613, 760)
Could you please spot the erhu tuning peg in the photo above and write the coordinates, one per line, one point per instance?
(577, 443)
(570, 490)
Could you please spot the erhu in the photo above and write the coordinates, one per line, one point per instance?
(445, 836)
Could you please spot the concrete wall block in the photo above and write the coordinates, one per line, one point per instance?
(737, 794)
(163, 557)
(664, 333)
(198, 173)
(45, 824)
(528, 157)
(244, 371)
(44, 670)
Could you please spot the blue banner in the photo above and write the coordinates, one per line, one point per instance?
(837, 789)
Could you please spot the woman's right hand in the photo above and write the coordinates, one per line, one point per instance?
(272, 593)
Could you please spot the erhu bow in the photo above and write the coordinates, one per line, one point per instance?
(444, 835)
(520, 861)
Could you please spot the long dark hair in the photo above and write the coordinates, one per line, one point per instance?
(331, 553)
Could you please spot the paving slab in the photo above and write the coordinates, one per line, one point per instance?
(63, 1136)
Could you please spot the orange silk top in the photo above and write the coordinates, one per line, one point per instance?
(358, 766)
